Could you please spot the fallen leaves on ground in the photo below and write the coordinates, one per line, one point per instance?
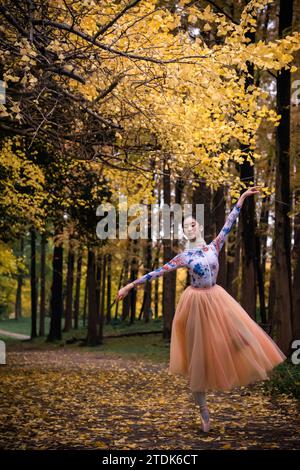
(85, 400)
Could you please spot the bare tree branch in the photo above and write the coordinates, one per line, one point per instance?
(88, 38)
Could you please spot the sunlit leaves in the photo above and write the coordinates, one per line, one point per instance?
(188, 98)
(21, 188)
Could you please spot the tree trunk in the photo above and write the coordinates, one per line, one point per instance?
(85, 300)
(179, 187)
(33, 285)
(296, 282)
(248, 291)
(146, 306)
(126, 303)
(219, 205)
(282, 318)
(43, 285)
(233, 268)
(133, 275)
(260, 281)
(56, 295)
(98, 285)
(157, 253)
(18, 304)
(169, 279)
(102, 312)
(108, 290)
(119, 287)
(92, 336)
(271, 299)
(264, 223)
(202, 195)
(77, 289)
(156, 283)
(69, 296)
(296, 158)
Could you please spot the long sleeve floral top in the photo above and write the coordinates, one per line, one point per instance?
(202, 263)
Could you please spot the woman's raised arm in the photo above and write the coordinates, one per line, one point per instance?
(223, 234)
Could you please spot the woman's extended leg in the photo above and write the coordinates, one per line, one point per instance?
(200, 399)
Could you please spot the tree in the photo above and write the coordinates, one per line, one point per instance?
(116, 104)
(282, 316)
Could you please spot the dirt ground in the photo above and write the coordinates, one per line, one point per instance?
(64, 399)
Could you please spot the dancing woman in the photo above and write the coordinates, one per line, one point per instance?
(214, 342)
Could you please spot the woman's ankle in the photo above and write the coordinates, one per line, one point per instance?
(204, 412)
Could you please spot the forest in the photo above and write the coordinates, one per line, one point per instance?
(161, 102)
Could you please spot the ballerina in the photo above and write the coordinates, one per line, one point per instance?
(214, 342)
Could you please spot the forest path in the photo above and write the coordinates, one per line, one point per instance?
(75, 399)
(10, 334)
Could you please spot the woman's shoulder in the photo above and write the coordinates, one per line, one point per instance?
(178, 249)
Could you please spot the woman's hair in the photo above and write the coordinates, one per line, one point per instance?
(190, 213)
(186, 216)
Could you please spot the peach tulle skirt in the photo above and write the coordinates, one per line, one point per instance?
(216, 344)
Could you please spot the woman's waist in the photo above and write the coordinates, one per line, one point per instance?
(203, 287)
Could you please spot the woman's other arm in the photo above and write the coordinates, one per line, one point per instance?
(177, 262)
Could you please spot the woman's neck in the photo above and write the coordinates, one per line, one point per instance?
(197, 243)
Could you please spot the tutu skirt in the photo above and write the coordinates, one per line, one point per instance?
(216, 344)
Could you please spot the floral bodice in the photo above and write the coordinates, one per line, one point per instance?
(202, 263)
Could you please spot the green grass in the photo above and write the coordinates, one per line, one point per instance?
(285, 378)
(16, 326)
(23, 326)
(149, 347)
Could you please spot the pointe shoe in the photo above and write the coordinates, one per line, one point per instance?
(205, 425)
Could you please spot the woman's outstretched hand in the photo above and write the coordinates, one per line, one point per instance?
(123, 292)
(251, 191)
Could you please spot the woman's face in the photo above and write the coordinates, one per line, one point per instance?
(191, 228)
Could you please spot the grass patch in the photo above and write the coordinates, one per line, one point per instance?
(22, 326)
(285, 378)
(116, 326)
(149, 347)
